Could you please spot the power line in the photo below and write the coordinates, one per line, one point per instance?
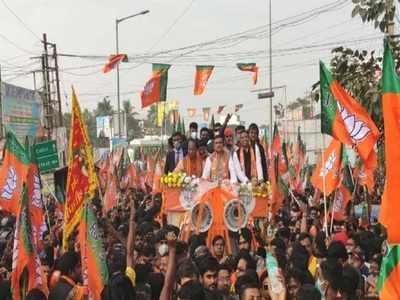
(20, 20)
(180, 16)
(14, 44)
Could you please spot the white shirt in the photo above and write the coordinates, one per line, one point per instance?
(239, 173)
(258, 163)
(232, 169)
(178, 155)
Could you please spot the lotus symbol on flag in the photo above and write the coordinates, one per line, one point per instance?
(148, 87)
(10, 185)
(37, 195)
(338, 203)
(357, 129)
(362, 174)
(93, 231)
(328, 165)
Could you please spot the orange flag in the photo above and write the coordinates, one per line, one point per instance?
(94, 266)
(328, 168)
(342, 199)
(151, 91)
(12, 174)
(113, 61)
(191, 112)
(203, 73)
(345, 119)
(110, 196)
(82, 179)
(365, 177)
(391, 115)
(158, 173)
(25, 252)
(277, 196)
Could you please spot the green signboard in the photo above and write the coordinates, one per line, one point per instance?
(46, 156)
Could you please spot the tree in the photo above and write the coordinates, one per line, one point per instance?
(380, 13)
(90, 121)
(104, 108)
(132, 124)
(359, 71)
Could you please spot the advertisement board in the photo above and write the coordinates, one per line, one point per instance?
(21, 110)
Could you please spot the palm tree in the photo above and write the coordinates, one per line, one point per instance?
(104, 107)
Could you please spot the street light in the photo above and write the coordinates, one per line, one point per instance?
(117, 21)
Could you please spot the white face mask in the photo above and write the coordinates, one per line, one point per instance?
(193, 135)
(163, 249)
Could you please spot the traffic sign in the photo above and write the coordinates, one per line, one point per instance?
(46, 156)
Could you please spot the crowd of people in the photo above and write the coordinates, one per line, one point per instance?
(147, 258)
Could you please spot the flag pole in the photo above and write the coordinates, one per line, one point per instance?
(333, 211)
(324, 189)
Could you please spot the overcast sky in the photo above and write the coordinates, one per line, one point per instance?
(87, 27)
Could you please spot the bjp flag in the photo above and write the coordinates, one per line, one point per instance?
(12, 174)
(326, 175)
(203, 73)
(151, 91)
(345, 119)
(391, 115)
(113, 61)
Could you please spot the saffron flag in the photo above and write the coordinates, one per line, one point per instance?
(391, 115)
(328, 168)
(151, 92)
(265, 144)
(94, 262)
(110, 196)
(365, 176)
(250, 67)
(388, 286)
(25, 253)
(203, 73)
(220, 109)
(162, 71)
(113, 61)
(82, 180)
(156, 189)
(36, 205)
(276, 150)
(238, 107)
(345, 119)
(12, 174)
(206, 113)
(277, 196)
(191, 112)
(343, 195)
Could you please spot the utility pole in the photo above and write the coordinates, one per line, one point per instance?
(117, 22)
(270, 70)
(270, 94)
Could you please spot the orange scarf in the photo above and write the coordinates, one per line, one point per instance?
(78, 292)
(219, 166)
(253, 163)
(193, 168)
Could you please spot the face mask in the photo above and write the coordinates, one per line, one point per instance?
(163, 249)
(193, 135)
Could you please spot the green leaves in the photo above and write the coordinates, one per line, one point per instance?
(379, 13)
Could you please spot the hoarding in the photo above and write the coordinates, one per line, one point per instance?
(21, 110)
